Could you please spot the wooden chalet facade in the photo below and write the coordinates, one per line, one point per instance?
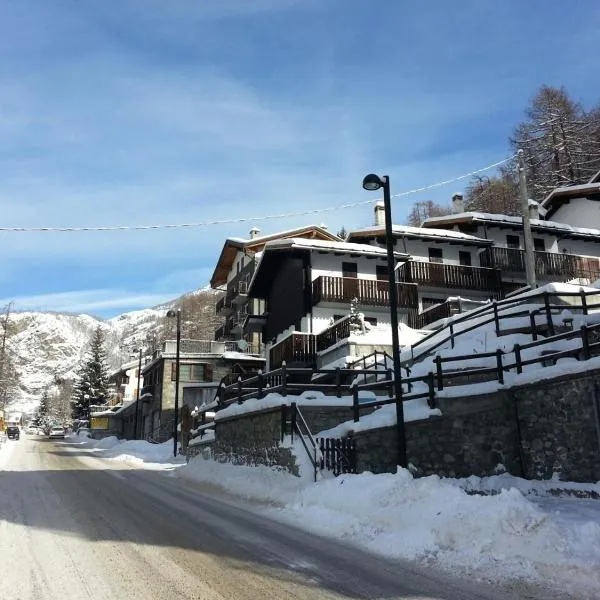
(233, 273)
(307, 287)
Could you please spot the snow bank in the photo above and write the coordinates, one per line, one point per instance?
(138, 452)
(498, 537)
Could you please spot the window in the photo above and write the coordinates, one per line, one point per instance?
(539, 245)
(349, 269)
(381, 272)
(512, 241)
(435, 255)
(464, 258)
(188, 372)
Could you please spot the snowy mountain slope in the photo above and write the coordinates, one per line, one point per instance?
(50, 345)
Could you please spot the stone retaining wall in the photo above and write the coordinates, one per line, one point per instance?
(253, 439)
(536, 431)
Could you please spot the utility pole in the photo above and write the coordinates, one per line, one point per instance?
(527, 236)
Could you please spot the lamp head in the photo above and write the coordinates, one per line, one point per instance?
(171, 314)
(372, 182)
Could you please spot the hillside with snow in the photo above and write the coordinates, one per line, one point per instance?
(49, 345)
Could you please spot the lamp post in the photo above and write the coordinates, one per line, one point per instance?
(372, 183)
(527, 235)
(137, 398)
(171, 314)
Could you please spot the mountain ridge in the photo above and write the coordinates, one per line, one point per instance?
(47, 345)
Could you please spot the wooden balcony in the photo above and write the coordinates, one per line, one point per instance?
(340, 330)
(430, 274)
(223, 306)
(548, 265)
(298, 349)
(369, 292)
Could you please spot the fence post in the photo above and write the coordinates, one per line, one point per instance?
(548, 313)
(260, 383)
(440, 376)
(583, 301)
(585, 342)
(239, 389)
(293, 419)
(338, 382)
(517, 351)
(452, 334)
(390, 377)
(533, 325)
(496, 319)
(283, 379)
(355, 409)
(499, 366)
(431, 386)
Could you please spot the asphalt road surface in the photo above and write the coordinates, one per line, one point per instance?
(73, 526)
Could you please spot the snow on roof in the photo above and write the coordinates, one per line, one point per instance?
(242, 356)
(326, 246)
(277, 234)
(509, 219)
(568, 189)
(422, 232)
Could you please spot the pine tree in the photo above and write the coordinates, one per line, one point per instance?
(43, 410)
(91, 387)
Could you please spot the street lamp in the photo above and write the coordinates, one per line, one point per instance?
(171, 314)
(137, 398)
(373, 183)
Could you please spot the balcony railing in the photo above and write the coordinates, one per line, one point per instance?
(552, 265)
(432, 274)
(297, 348)
(340, 330)
(369, 292)
(223, 306)
(237, 322)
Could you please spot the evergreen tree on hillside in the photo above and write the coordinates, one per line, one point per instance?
(91, 386)
(43, 410)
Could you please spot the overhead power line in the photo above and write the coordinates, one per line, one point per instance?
(255, 218)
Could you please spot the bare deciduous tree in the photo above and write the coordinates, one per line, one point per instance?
(560, 139)
(423, 210)
(499, 194)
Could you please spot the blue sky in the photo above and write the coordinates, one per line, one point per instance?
(174, 111)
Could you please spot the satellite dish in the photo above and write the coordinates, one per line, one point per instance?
(242, 345)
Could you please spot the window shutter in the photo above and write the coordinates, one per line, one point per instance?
(208, 372)
(173, 371)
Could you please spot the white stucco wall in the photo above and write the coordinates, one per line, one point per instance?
(579, 212)
(331, 265)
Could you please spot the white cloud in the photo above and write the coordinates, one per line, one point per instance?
(86, 301)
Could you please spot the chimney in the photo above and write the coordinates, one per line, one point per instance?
(323, 226)
(379, 214)
(458, 205)
(254, 232)
(534, 209)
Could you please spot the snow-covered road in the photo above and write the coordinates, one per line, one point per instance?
(73, 526)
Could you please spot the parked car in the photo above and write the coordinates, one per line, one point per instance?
(13, 432)
(31, 430)
(57, 432)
